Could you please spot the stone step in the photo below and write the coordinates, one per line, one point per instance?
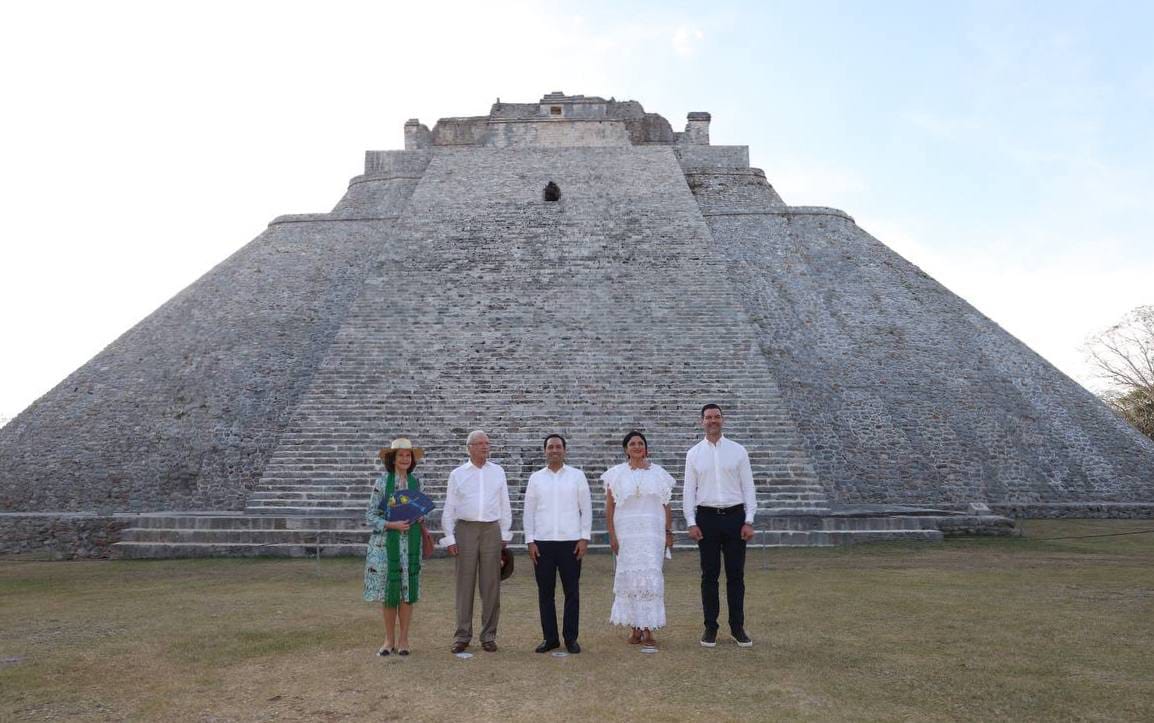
(360, 488)
(365, 441)
(246, 536)
(167, 549)
(305, 510)
(363, 460)
(316, 511)
(250, 522)
(327, 523)
(362, 493)
(327, 508)
(361, 537)
(783, 534)
(171, 550)
(439, 473)
(761, 478)
(337, 456)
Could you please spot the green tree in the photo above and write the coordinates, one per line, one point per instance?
(1124, 358)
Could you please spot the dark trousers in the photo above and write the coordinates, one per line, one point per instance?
(553, 558)
(721, 536)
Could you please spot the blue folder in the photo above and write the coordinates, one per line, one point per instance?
(406, 505)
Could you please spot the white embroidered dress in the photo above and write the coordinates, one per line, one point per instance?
(640, 496)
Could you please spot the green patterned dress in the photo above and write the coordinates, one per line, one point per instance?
(393, 559)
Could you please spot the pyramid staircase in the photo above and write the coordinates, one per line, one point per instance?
(606, 312)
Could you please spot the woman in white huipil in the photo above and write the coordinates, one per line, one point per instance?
(638, 517)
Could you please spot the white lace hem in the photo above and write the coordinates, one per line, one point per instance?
(638, 613)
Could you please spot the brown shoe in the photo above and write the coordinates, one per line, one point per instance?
(459, 647)
(489, 646)
(635, 637)
(647, 640)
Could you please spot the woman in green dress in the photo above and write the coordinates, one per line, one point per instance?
(393, 559)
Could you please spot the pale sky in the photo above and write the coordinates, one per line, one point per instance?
(1003, 147)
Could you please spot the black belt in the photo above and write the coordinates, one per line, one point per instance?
(721, 510)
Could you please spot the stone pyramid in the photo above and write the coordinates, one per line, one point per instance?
(447, 291)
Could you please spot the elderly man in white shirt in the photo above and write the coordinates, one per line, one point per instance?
(477, 521)
(558, 525)
(719, 503)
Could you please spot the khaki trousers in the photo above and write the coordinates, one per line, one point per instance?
(478, 564)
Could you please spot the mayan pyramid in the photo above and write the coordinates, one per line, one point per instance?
(448, 291)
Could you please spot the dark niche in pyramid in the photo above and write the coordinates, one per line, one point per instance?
(442, 294)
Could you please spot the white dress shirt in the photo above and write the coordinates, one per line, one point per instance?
(718, 475)
(558, 505)
(477, 494)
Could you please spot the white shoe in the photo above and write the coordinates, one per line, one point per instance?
(743, 640)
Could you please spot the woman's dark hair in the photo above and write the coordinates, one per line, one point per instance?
(564, 444)
(631, 435)
(390, 461)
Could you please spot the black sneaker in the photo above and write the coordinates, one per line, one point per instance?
(743, 640)
(709, 638)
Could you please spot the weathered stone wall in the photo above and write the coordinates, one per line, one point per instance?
(182, 411)
(575, 111)
(385, 187)
(975, 526)
(712, 157)
(903, 391)
(460, 131)
(560, 133)
(387, 164)
(697, 129)
(60, 536)
(1078, 510)
(650, 128)
(510, 111)
(582, 122)
(732, 190)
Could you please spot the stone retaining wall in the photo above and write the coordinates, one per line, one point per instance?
(1090, 510)
(62, 536)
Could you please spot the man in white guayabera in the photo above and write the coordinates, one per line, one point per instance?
(719, 503)
(558, 525)
(478, 522)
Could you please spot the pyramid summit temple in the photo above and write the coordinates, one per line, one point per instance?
(570, 265)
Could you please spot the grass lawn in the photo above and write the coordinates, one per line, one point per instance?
(1024, 628)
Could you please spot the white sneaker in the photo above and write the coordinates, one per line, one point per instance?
(709, 638)
(743, 640)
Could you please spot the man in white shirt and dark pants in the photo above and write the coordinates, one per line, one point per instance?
(478, 523)
(719, 503)
(558, 525)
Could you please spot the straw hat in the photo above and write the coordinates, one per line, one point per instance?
(398, 444)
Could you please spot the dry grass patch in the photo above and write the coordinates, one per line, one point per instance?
(1018, 628)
